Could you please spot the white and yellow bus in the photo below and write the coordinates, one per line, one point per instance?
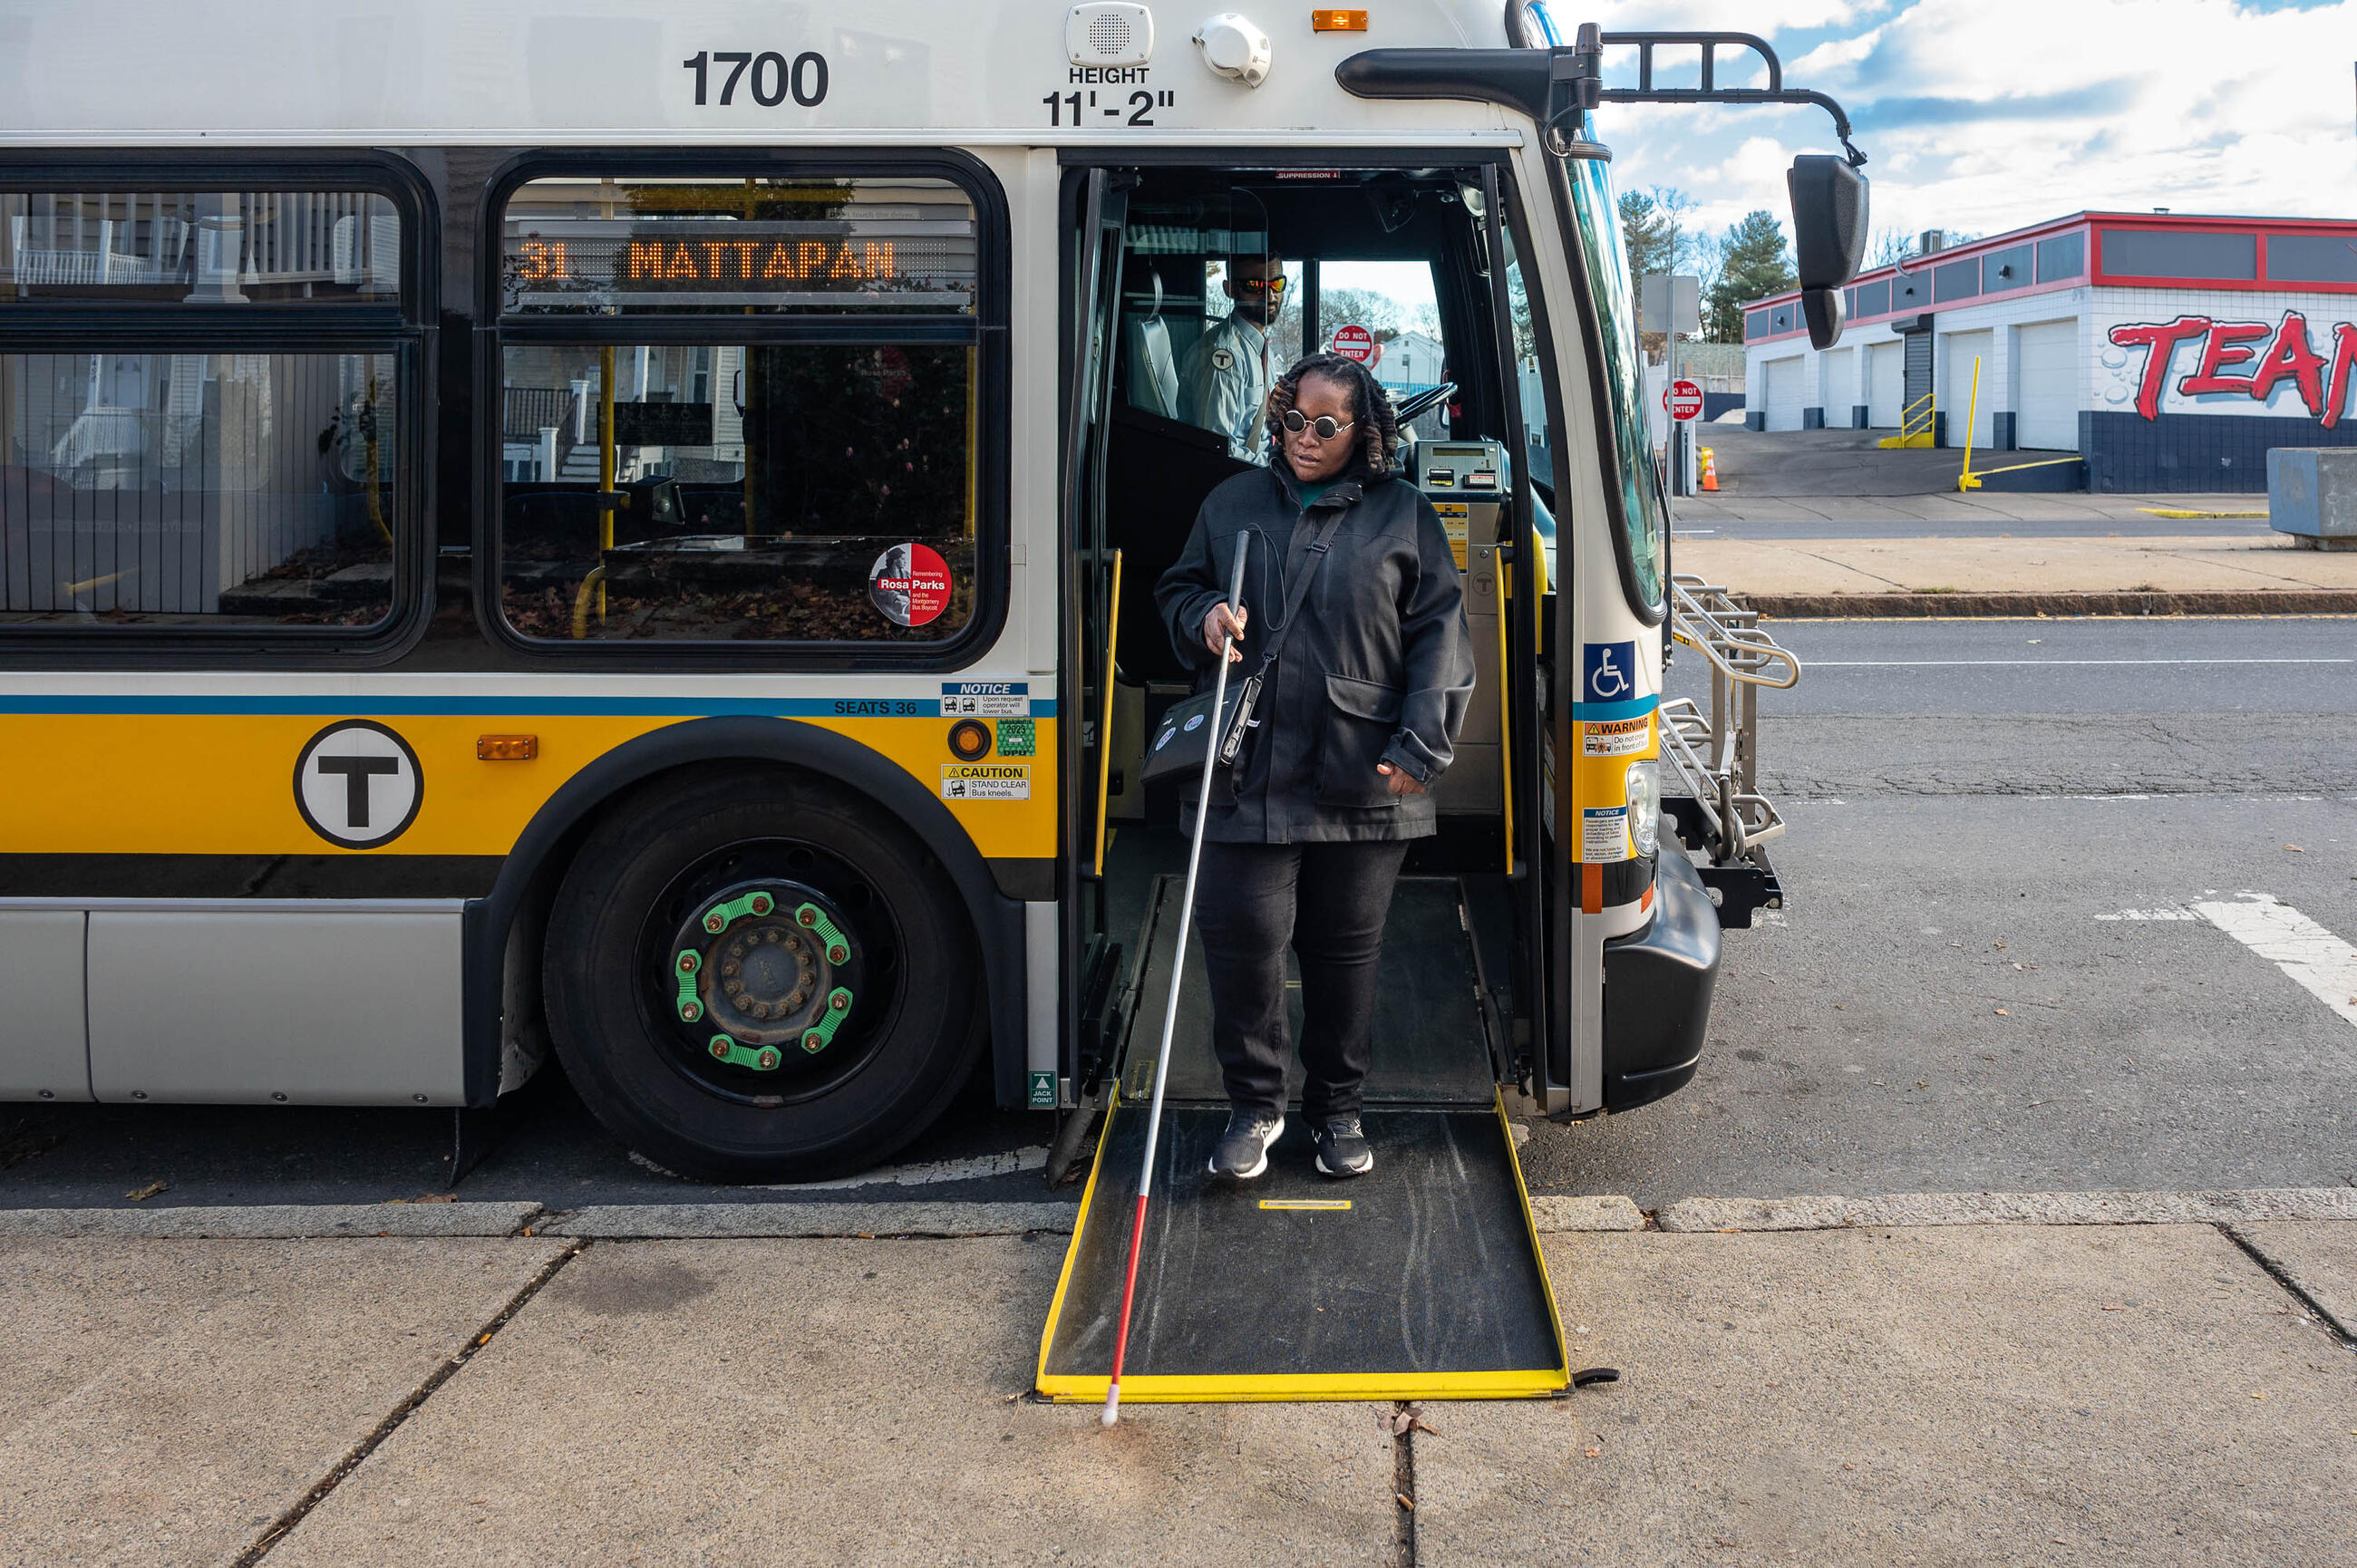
(629, 530)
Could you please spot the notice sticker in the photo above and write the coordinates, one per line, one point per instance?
(985, 780)
(985, 699)
(1617, 738)
(1603, 834)
(1453, 515)
(909, 584)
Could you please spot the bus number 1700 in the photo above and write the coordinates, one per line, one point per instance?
(773, 79)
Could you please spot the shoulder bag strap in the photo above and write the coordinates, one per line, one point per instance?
(1298, 589)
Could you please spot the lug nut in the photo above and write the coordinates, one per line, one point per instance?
(689, 1011)
(761, 905)
(688, 963)
(813, 1041)
(837, 953)
(714, 922)
(807, 916)
(720, 1049)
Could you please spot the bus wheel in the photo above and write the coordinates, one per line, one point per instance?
(758, 976)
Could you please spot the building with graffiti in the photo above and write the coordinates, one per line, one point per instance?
(2160, 351)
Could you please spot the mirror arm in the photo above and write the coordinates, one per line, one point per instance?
(1593, 39)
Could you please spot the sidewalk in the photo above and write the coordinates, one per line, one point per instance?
(1863, 1394)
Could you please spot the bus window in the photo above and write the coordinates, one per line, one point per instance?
(1640, 540)
(758, 479)
(1398, 307)
(202, 478)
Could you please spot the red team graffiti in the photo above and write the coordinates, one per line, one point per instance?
(2232, 362)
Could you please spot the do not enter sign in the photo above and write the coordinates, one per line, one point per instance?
(1684, 399)
(1355, 343)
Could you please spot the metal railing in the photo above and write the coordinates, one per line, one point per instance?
(1717, 755)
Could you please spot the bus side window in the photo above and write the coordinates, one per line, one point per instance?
(204, 478)
(802, 464)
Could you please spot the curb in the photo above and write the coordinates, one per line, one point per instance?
(274, 1222)
(1555, 1216)
(1745, 1214)
(2201, 601)
(715, 1221)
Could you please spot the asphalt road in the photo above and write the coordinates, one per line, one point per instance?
(1940, 1007)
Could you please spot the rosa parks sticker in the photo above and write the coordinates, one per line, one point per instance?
(909, 584)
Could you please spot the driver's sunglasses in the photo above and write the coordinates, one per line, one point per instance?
(1325, 426)
(1262, 285)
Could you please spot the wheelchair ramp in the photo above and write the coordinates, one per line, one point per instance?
(1421, 1280)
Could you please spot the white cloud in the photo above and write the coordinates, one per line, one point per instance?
(1988, 114)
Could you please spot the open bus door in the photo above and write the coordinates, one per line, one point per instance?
(1422, 1279)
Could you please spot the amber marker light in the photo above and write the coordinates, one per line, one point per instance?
(507, 748)
(1338, 21)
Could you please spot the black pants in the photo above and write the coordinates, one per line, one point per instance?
(1327, 901)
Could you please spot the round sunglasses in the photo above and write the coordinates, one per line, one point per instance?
(1325, 426)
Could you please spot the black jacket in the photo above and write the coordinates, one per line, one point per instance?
(1378, 666)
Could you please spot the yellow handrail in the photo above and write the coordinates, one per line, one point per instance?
(1965, 481)
(1505, 707)
(1105, 724)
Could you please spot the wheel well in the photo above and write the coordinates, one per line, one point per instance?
(501, 929)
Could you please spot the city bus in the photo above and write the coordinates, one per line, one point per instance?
(629, 533)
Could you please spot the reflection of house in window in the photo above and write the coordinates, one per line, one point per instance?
(1411, 363)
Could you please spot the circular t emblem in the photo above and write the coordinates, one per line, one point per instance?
(358, 784)
(1223, 360)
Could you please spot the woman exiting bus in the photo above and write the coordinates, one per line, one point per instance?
(1359, 710)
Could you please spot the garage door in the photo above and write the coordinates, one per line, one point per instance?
(1957, 353)
(1783, 399)
(2046, 358)
(1886, 375)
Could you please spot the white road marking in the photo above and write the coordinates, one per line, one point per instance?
(2322, 965)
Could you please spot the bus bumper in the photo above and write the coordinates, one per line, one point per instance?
(1657, 988)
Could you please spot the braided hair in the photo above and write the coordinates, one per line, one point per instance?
(1377, 435)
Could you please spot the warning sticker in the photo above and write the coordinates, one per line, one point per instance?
(985, 699)
(909, 584)
(1452, 523)
(1603, 833)
(985, 780)
(1617, 737)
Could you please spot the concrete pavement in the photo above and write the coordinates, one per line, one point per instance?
(1997, 1394)
(2260, 569)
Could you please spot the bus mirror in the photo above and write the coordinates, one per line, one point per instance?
(1822, 308)
(1828, 237)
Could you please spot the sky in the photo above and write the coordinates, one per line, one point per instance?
(1978, 116)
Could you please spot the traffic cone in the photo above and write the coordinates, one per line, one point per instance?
(1709, 470)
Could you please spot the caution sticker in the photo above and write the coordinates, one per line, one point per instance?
(1615, 737)
(985, 780)
(1603, 834)
(909, 583)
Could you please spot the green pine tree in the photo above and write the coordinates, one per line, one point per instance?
(1753, 262)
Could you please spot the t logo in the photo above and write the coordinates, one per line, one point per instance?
(358, 785)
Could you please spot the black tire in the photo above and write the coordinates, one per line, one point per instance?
(912, 1034)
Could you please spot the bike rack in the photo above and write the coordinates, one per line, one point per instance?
(1717, 755)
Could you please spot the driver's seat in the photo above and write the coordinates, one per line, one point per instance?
(1152, 372)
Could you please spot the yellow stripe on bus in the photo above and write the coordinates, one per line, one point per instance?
(223, 783)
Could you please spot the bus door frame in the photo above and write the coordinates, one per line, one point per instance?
(1089, 325)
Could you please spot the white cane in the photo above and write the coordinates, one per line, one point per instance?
(1177, 971)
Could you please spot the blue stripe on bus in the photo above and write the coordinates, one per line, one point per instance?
(1605, 712)
(520, 705)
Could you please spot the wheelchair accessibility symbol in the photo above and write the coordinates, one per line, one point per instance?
(1607, 671)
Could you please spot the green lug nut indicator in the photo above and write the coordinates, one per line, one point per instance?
(689, 967)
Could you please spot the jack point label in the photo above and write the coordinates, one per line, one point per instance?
(1043, 1090)
(985, 780)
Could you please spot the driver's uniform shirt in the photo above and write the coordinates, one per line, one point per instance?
(1224, 385)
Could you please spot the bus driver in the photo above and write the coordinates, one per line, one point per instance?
(1223, 384)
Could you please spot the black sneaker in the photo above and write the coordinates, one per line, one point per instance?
(1342, 1148)
(1242, 1153)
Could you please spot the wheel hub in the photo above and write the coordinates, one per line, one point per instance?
(762, 968)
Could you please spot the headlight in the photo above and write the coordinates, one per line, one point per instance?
(1644, 795)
